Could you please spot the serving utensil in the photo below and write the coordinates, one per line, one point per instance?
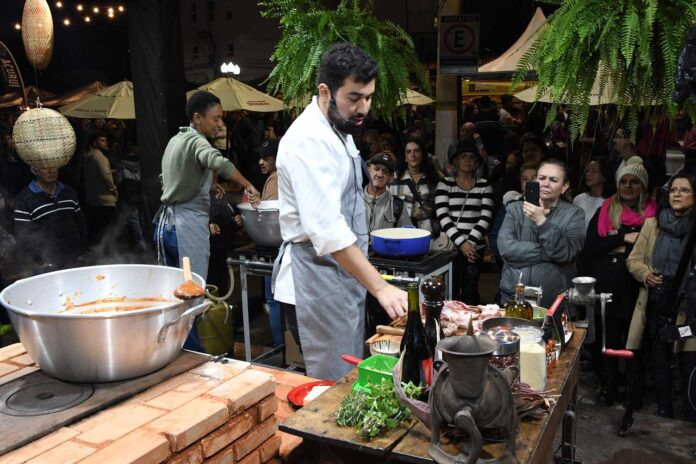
(189, 290)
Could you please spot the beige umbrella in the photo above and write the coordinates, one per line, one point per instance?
(74, 95)
(607, 96)
(236, 95)
(416, 98)
(114, 102)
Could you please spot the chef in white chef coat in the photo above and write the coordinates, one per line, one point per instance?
(322, 271)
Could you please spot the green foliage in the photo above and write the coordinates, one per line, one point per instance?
(630, 47)
(309, 29)
(374, 411)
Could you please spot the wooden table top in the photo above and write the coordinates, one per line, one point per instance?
(317, 421)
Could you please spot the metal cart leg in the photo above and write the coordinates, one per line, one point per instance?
(245, 313)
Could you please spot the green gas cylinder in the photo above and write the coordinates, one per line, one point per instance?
(215, 327)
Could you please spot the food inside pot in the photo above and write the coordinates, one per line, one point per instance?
(112, 304)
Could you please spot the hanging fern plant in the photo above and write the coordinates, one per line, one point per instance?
(626, 50)
(307, 31)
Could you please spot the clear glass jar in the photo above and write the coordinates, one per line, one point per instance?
(508, 353)
(532, 357)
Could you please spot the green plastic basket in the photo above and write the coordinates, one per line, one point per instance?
(375, 369)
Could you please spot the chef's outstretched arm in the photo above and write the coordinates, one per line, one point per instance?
(393, 300)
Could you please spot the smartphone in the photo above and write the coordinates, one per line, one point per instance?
(531, 192)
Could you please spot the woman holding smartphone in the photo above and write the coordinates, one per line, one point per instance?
(542, 242)
(611, 234)
(654, 262)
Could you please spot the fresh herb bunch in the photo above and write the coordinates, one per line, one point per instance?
(374, 411)
(627, 49)
(307, 31)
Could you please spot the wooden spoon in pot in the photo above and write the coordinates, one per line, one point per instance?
(189, 290)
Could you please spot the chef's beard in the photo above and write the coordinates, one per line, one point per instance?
(347, 126)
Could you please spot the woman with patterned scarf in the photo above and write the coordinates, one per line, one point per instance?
(611, 234)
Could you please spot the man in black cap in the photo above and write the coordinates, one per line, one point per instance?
(267, 162)
(383, 210)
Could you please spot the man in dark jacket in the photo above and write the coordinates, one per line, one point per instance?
(49, 226)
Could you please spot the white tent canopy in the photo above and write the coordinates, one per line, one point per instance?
(507, 62)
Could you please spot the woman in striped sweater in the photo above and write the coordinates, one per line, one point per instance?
(464, 208)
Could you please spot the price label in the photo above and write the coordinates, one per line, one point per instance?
(685, 331)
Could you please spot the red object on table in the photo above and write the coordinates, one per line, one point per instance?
(297, 395)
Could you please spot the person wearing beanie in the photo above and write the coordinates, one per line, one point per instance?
(611, 234)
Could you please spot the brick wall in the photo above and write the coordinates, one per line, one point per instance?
(216, 413)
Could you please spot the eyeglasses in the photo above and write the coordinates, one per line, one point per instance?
(682, 190)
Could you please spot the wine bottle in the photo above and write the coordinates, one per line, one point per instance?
(518, 306)
(417, 359)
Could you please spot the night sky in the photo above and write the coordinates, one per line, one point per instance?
(82, 52)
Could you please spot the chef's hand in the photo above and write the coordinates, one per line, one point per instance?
(217, 190)
(534, 212)
(393, 300)
(653, 280)
(253, 195)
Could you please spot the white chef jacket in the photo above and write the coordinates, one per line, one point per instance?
(314, 167)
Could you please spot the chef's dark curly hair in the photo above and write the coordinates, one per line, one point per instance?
(200, 102)
(342, 60)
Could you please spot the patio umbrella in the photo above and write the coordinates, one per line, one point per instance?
(416, 98)
(114, 102)
(236, 95)
(76, 94)
(12, 99)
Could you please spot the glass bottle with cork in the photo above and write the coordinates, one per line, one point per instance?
(417, 357)
(518, 306)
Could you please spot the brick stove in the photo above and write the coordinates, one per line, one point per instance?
(215, 413)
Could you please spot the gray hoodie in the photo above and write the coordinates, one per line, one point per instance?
(379, 212)
(546, 254)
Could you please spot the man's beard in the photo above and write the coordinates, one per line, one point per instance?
(347, 126)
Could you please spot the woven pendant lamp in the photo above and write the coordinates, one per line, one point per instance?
(44, 138)
(37, 33)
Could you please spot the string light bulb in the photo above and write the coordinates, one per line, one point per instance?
(59, 4)
(66, 21)
(121, 8)
(88, 19)
(95, 10)
(18, 26)
(79, 7)
(110, 10)
(111, 14)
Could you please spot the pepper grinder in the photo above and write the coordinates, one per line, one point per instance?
(433, 291)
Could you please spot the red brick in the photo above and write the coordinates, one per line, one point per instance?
(274, 461)
(24, 360)
(167, 385)
(284, 377)
(191, 455)
(65, 453)
(221, 371)
(289, 443)
(39, 446)
(103, 417)
(138, 447)
(123, 422)
(190, 422)
(255, 437)
(285, 409)
(6, 368)
(233, 429)
(266, 407)
(192, 388)
(11, 351)
(244, 390)
(252, 458)
(17, 374)
(269, 448)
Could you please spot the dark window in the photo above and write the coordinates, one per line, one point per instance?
(230, 49)
(195, 53)
(230, 15)
(194, 12)
(211, 10)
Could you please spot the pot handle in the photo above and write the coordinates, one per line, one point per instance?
(193, 312)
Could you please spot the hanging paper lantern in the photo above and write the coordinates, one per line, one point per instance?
(44, 138)
(37, 33)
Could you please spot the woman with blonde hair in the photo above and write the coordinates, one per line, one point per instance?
(611, 234)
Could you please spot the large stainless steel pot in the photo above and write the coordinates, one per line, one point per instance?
(101, 347)
(262, 223)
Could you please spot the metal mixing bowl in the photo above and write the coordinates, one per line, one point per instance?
(262, 223)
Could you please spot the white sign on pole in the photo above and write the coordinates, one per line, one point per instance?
(459, 44)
